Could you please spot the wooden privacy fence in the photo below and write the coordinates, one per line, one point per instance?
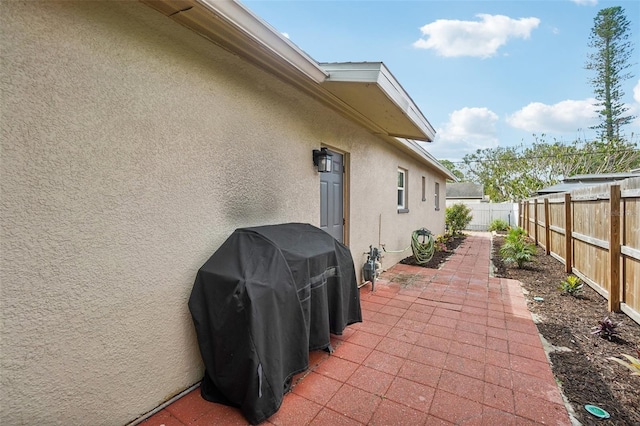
(595, 232)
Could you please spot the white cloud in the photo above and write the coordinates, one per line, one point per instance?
(634, 108)
(585, 2)
(563, 117)
(285, 34)
(467, 130)
(452, 38)
(470, 123)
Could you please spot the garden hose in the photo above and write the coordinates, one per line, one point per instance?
(394, 251)
(422, 251)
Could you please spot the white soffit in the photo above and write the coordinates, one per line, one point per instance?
(371, 89)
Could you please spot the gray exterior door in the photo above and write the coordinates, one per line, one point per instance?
(331, 201)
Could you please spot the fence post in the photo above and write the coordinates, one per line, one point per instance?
(520, 214)
(568, 229)
(535, 221)
(526, 217)
(614, 248)
(547, 229)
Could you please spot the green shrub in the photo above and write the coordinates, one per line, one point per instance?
(572, 285)
(498, 225)
(444, 239)
(440, 247)
(518, 251)
(516, 233)
(441, 242)
(457, 217)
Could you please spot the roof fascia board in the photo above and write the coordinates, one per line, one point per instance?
(267, 36)
(234, 27)
(364, 72)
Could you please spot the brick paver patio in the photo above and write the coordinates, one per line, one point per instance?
(452, 346)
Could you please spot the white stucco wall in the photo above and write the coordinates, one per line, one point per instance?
(374, 217)
(131, 149)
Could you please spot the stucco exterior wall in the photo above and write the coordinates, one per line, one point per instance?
(374, 216)
(131, 149)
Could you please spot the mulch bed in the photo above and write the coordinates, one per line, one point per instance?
(439, 257)
(585, 374)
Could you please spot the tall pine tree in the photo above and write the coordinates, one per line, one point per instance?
(610, 60)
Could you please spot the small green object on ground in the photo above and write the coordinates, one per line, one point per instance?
(597, 411)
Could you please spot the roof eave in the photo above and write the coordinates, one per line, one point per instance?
(232, 26)
(426, 157)
(361, 77)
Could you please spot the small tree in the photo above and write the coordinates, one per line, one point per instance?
(457, 217)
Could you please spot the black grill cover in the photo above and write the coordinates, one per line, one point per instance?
(265, 298)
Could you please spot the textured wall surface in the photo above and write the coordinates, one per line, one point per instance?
(374, 216)
(131, 149)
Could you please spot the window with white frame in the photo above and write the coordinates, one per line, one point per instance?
(437, 196)
(402, 191)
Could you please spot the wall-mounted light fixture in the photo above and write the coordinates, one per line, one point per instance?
(322, 160)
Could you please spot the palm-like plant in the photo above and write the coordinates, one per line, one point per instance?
(516, 249)
(516, 233)
(518, 252)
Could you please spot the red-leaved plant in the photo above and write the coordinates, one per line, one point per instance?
(606, 328)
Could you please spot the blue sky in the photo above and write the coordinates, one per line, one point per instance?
(485, 73)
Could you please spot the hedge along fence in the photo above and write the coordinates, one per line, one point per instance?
(595, 232)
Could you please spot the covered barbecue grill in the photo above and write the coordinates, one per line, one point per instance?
(265, 298)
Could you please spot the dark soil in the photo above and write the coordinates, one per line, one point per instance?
(439, 257)
(585, 374)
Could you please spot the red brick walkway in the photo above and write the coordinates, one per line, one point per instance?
(436, 347)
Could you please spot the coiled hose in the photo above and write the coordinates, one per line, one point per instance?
(422, 251)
